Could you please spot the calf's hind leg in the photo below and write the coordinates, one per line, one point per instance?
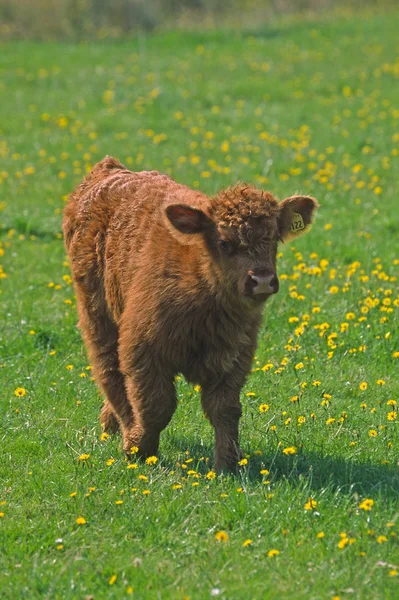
(101, 337)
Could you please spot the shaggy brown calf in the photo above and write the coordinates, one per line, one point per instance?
(170, 281)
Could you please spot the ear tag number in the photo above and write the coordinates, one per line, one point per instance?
(297, 223)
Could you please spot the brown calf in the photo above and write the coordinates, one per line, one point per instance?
(171, 281)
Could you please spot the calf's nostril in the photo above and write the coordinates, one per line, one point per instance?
(274, 283)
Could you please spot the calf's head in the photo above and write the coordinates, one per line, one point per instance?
(241, 227)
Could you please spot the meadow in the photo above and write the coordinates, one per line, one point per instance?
(313, 511)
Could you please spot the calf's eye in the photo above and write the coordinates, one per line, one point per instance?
(226, 246)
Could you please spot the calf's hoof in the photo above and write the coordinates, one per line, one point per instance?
(140, 446)
(228, 461)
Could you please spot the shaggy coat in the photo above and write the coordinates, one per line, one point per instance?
(171, 281)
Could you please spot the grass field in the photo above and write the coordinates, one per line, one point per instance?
(314, 512)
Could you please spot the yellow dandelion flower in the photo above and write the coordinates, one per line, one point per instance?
(81, 521)
(132, 466)
(267, 367)
(290, 450)
(242, 462)
(391, 416)
(112, 579)
(264, 408)
(83, 457)
(210, 475)
(382, 539)
(221, 536)
(310, 504)
(247, 543)
(273, 552)
(363, 386)
(373, 433)
(320, 535)
(134, 450)
(367, 504)
(151, 460)
(19, 392)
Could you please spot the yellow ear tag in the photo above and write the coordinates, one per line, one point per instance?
(297, 223)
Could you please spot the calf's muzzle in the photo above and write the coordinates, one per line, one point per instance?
(261, 283)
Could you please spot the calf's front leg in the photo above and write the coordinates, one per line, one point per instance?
(222, 406)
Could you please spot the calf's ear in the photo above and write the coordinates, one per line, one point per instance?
(295, 216)
(187, 220)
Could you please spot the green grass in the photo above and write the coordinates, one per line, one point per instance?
(306, 106)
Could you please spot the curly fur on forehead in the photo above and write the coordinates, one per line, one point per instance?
(239, 204)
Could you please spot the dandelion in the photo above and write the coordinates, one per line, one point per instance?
(267, 367)
(221, 536)
(299, 366)
(363, 386)
(320, 535)
(391, 416)
(273, 552)
(367, 504)
(210, 475)
(134, 450)
(110, 462)
(19, 392)
(373, 433)
(151, 460)
(80, 521)
(290, 450)
(112, 580)
(264, 472)
(242, 462)
(263, 408)
(132, 466)
(382, 539)
(83, 457)
(104, 436)
(310, 504)
(247, 543)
